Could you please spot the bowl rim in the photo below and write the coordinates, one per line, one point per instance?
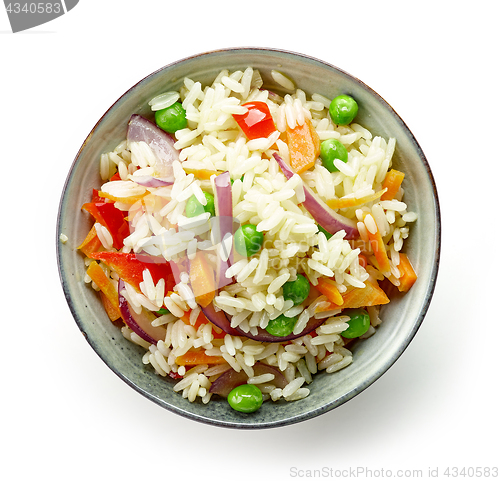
(359, 388)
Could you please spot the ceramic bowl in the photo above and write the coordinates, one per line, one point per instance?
(372, 357)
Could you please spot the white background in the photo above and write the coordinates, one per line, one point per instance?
(67, 416)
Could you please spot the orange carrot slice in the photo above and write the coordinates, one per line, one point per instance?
(91, 243)
(202, 279)
(110, 308)
(379, 250)
(392, 183)
(354, 201)
(328, 288)
(408, 275)
(203, 174)
(198, 357)
(370, 295)
(303, 145)
(97, 274)
(201, 321)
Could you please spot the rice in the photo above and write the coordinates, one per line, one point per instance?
(164, 100)
(104, 235)
(252, 289)
(293, 386)
(282, 80)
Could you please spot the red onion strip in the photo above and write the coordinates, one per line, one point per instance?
(139, 323)
(222, 224)
(225, 383)
(149, 181)
(160, 142)
(264, 336)
(220, 319)
(322, 214)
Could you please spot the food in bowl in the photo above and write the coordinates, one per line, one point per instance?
(244, 237)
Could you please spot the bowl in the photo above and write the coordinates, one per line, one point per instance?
(372, 357)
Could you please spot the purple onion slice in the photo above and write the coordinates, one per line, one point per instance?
(150, 181)
(226, 382)
(140, 323)
(223, 224)
(322, 214)
(264, 336)
(160, 142)
(220, 319)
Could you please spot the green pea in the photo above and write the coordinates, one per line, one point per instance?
(327, 234)
(172, 118)
(162, 311)
(194, 207)
(330, 150)
(359, 323)
(296, 290)
(343, 109)
(246, 398)
(281, 326)
(247, 240)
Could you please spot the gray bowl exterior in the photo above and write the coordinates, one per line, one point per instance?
(372, 357)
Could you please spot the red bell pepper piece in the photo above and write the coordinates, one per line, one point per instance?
(96, 197)
(257, 122)
(130, 268)
(115, 177)
(110, 217)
